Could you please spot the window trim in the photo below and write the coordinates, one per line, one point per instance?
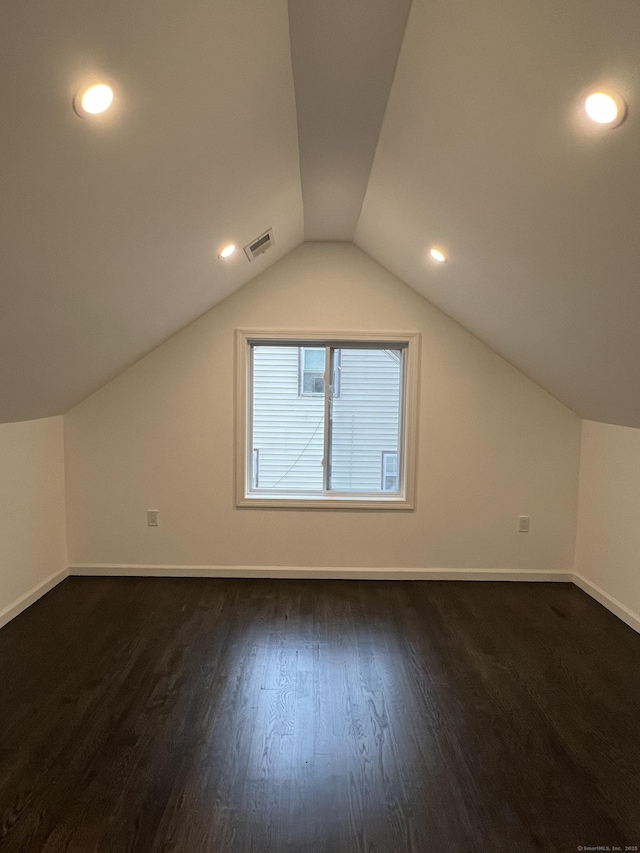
(407, 457)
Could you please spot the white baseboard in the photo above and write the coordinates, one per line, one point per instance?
(30, 597)
(320, 573)
(357, 573)
(616, 607)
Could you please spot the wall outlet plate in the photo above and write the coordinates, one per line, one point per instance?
(152, 517)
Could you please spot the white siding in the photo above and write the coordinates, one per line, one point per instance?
(288, 429)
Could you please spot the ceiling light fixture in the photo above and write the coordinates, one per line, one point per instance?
(438, 255)
(606, 108)
(93, 100)
(227, 251)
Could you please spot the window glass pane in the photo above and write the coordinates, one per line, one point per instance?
(365, 419)
(287, 429)
(314, 359)
(312, 383)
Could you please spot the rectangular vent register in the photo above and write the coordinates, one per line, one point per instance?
(260, 245)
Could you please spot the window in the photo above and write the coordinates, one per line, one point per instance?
(389, 471)
(255, 470)
(329, 422)
(312, 365)
(311, 371)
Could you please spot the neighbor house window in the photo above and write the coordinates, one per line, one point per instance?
(311, 362)
(327, 421)
(389, 470)
(255, 470)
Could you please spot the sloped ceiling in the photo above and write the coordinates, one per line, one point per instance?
(110, 230)
(458, 123)
(344, 58)
(486, 151)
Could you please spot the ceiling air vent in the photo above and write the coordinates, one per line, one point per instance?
(259, 245)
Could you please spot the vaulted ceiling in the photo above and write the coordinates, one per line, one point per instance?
(395, 124)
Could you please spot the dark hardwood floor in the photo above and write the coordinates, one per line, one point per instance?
(239, 716)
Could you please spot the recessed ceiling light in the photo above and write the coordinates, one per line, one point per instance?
(93, 100)
(606, 108)
(438, 255)
(227, 251)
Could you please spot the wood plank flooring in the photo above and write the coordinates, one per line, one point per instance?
(255, 716)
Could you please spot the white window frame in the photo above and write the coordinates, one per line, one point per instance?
(404, 499)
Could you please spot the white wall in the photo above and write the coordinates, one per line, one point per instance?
(32, 511)
(492, 444)
(608, 541)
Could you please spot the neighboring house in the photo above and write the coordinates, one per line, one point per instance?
(289, 411)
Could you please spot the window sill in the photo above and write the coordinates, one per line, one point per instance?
(342, 502)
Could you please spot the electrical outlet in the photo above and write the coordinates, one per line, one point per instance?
(523, 524)
(152, 517)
